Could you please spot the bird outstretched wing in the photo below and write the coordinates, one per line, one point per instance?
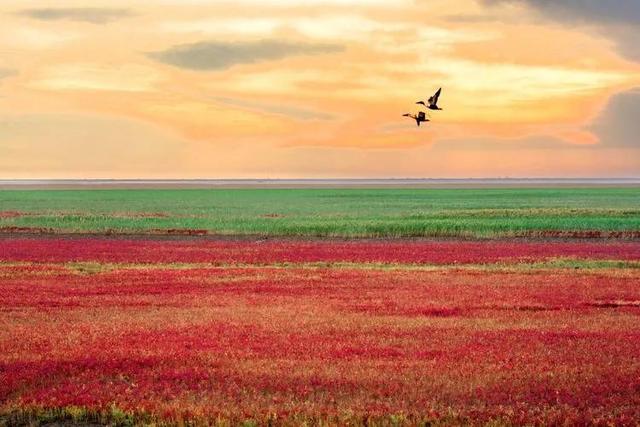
(434, 99)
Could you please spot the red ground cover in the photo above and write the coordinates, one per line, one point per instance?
(306, 344)
(270, 251)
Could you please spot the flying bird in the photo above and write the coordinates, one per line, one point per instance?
(433, 101)
(421, 117)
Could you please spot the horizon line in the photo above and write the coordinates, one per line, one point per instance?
(494, 178)
(314, 183)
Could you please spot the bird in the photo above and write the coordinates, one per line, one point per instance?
(421, 117)
(433, 101)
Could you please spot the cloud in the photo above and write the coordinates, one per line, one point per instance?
(94, 15)
(591, 11)
(618, 125)
(617, 19)
(298, 3)
(94, 77)
(221, 55)
(7, 72)
(469, 18)
(279, 109)
(16, 36)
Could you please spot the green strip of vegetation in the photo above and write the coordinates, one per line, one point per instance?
(384, 213)
(114, 416)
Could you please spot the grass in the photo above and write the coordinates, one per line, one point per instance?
(473, 213)
(117, 418)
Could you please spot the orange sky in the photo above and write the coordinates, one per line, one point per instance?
(284, 89)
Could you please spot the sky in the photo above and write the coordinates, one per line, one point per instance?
(317, 88)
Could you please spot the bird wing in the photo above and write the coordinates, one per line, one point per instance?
(434, 99)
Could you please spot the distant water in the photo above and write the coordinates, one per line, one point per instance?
(279, 183)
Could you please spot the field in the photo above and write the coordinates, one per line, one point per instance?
(468, 213)
(109, 316)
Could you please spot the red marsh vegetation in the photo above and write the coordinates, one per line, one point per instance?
(296, 251)
(83, 337)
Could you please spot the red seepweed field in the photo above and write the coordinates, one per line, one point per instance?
(319, 332)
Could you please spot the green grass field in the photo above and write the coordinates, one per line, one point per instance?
(329, 212)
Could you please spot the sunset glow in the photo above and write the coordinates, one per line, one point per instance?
(310, 89)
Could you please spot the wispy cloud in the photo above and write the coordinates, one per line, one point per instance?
(97, 77)
(7, 72)
(279, 109)
(94, 15)
(469, 18)
(216, 55)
